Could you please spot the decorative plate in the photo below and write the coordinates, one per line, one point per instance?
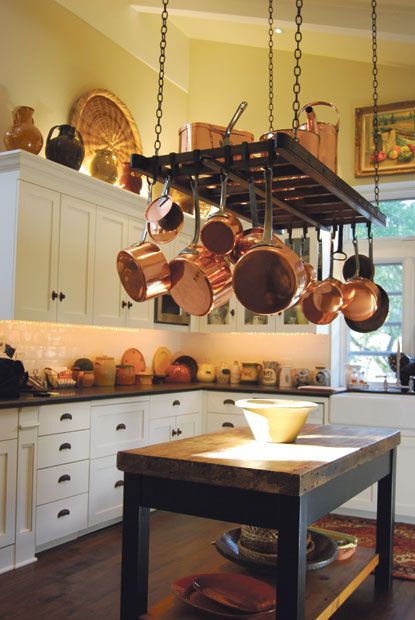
(325, 552)
(135, 358)
(247, 590)
(105, 122)
(188, 361)
(161, 361)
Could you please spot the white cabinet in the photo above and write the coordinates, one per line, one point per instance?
(175, 416)
(8, 477)
(222, 412)
(106, 496)
(54, 259)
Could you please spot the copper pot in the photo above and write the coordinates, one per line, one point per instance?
(311, 312)
(377, 320)
(219, 233)
(361, 295)
(164, 212)
(270, 277)
(143, 269)
(328, 295)
(200, 281)
(366, 265)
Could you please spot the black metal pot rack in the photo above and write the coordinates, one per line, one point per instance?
(305, 192)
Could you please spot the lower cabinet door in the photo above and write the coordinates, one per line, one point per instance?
(62, 518)
(187, 425)
(119, 426)
(106, 494)
(161, 429)
(8, 473)
(54, 483)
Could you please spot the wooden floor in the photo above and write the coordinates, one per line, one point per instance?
(80, 580)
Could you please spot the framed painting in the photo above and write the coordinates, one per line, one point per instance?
(396, 139)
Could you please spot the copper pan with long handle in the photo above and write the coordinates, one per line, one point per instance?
(366, 265)
(143, 269)
(361, 296)
(200, 281)
(310, 311)
(270, 277)
(328, 295)
(167, 214)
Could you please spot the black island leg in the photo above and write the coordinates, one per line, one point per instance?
(385, 525)
(135, 549)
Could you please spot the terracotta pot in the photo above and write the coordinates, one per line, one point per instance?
(178, 373)
(83, 378)
(104, 166)
(125, 374)
(67, 148)
(130, 179)
(23, 134)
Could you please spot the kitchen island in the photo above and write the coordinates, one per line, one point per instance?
(229, 476)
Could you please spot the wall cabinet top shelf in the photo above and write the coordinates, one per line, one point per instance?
(305, 191)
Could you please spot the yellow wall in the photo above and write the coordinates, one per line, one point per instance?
(222, 75)
(50, 58)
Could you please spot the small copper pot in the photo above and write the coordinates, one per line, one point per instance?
(328, 294)
(361, 296)
(311, 312)
(219, 233)
(166, 214)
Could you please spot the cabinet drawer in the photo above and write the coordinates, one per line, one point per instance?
(106, 496)
(165, 405)
(54, 483)
(59, 519)
(8, 424)
(224, 402)
(118, 427)
(63, 418)
(223, 421)
(62, 448)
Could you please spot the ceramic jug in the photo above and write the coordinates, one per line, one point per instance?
(23, 134)
(285, 377)
(104, 166)
(104, 369)
(125, 374)
(67, 148)
(269, 373)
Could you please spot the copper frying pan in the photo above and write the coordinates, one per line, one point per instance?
(219, 233)
(200, 281)
(377, 320)
(143, 269)
(270, 277)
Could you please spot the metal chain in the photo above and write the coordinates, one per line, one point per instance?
(162, 60)
(375, 101)
(271, 66)
(297, 69)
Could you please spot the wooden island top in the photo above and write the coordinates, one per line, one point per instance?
(234, 459)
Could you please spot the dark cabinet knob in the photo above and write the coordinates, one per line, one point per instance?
(119, 483)
(121, 427)
(232, 312)
(123, 304)
(129, 305)
(65, 446)
(54, 295)
(176, 403)
(228, 425)
(228, 401)
(179, 432)
(64, 478)
(63, 513)
(174, 433)
(66, 416)
(62, 296)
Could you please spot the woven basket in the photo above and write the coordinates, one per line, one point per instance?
(261, 545)
(105, 122)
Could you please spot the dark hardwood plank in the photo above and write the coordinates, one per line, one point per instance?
(81, 579)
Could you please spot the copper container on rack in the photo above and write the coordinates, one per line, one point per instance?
(328, 132)
(308, 139)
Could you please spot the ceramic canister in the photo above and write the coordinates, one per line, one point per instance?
(269, 373)
(285, 377)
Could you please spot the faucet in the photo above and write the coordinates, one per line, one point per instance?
(411, 389)
(385, 382)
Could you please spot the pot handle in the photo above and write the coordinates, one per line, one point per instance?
(325, 103)
(51, 132)
(241, 108)
(191, 248)
(253, 204)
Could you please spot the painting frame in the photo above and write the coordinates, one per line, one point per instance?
(396, 135)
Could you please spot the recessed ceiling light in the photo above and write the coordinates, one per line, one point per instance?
(278, 31)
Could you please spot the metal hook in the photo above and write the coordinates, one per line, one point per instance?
(369, 230)
(353, 231)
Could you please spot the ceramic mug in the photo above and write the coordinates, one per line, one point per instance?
(300, 376)
(250, 372)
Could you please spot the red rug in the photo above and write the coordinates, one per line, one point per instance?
(364, 530)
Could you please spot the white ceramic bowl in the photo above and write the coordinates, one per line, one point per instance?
(275, 420)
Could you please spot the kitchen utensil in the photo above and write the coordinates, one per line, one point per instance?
(328, 294)
(311, 312)
(228, 131)
(327, 132)
(270, 277)
(366, 265)
(346, 543)
(200, 281)
(376, 320)
(219, 233)
(162, 359)
(269, 373)
(135, 358)
(178, 373)
(226, 594)
(300, 376)
(104, 370)
(275, 420)
(250, 371)
(143, 268)
(361, 296)
(308, 139)
(164, 217)
(125, 374)
(206, 373)
(190, 362)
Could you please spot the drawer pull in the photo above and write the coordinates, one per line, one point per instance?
(63, 513)
(176, 402)
(64, 478)
(65, 446)
(228, 401)
(121, 427)
(66, 416)
(119, 483)
(179, 432)
(174, 433)
(228, 425)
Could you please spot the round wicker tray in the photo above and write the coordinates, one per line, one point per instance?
(105, 122)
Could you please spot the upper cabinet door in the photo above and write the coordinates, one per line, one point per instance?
(76, 261)
(109, 297)
(37, 253)
(140, 314)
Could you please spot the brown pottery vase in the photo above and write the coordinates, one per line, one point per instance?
(130, 179)
(23, 134)
(67, 148)
(104, 166)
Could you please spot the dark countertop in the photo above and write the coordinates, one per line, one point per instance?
(99, 393)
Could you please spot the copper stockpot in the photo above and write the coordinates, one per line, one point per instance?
(361, 296)
(200, 281)
(143, 269)
(219, 233)
(328, 294)
(270, 277)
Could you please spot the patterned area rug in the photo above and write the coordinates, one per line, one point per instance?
(364, 530)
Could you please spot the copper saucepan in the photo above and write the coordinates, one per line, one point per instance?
(143, 269)
(200, 281)
(361, 296)
(270, 277)
(164, 211)
(328, 295)
(377, 320)
(246, 239)
(219, 233)
(310, 311)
